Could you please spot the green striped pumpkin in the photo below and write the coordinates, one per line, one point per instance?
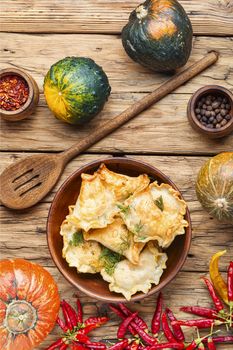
(76, 89)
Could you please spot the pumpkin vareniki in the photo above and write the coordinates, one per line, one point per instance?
(122, 185)
(79, 253)
(129, 279)
(95, 206)
(156, 213)
(118, 238)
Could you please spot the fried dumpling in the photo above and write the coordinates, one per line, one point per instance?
(123, 186)
(128, 279)
(118, 238)
(96, 204)
(156, 213)
(85, 256)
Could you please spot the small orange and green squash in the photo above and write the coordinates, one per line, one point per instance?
(214, 186)
(158, 35)
(76, 89)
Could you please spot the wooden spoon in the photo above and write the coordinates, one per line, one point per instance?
(27, 181)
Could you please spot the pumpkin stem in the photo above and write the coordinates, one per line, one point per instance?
(141, 12)
(21, 316)
(221, 203)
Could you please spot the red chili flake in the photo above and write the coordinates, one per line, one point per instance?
(14, 92)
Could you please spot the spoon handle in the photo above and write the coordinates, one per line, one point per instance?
(136, 108)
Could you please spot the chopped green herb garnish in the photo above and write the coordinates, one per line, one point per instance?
(138, 227)
(159, 203)
(77, 239)
(141, 238)
(124, 209)
(125, 243)
(109, 260)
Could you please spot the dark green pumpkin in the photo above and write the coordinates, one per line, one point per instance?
(76, 89)
(158, 35)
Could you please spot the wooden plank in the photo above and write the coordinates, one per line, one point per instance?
(23, 234)
(36, 53)
(30, 225)
(104, 16)
(166, 121)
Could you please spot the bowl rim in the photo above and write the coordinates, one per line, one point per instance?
(121, 298)
(23, 74)
(226, 129)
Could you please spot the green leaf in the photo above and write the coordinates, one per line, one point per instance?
(142, 238)
(159, 203)
(125, 243)
(124, 209)
(77, 239)
(138, 227)
(109, 260)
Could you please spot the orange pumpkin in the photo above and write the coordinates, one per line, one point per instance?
(29, 304)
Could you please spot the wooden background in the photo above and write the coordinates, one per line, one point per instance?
(35, 34)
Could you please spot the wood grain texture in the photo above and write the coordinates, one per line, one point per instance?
(182, 170)
(104, 16)
(166, 121)
(28, 239)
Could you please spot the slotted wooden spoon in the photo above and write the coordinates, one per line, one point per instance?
(27, 181)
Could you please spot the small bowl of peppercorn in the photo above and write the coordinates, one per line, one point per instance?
(19, 94)
(210, 111)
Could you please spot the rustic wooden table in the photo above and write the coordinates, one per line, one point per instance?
(36, 34)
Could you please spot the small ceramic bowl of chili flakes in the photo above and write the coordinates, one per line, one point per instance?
(19, 94)
(210, 111)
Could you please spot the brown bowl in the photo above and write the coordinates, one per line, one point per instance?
(93, 284)
(206, 90)
(32, 101)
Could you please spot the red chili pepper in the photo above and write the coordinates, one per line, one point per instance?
(178, 333)
(96, 345)
(200, 323)
(64, 346)
(120, 345)
(145, 336)
(66, 315)
(124, 325)
(200, 311)
(71, 312)
(98, 321)
(192, 346)
(62, 324)
(210, 343)
(56, 344)
(166, 329)
(217, 302)
(155, 324)
(78, 347)
(169, 345)
(80, 311)
(138, 320)
(119, 313)
(230, 284)
(82, 338)
(134, 346)
(87, 329)
(222, 339)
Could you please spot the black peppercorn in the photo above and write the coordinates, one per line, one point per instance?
(213, 111)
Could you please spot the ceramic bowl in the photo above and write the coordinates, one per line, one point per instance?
(29, 106)
(93, 284)
(202, 92)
